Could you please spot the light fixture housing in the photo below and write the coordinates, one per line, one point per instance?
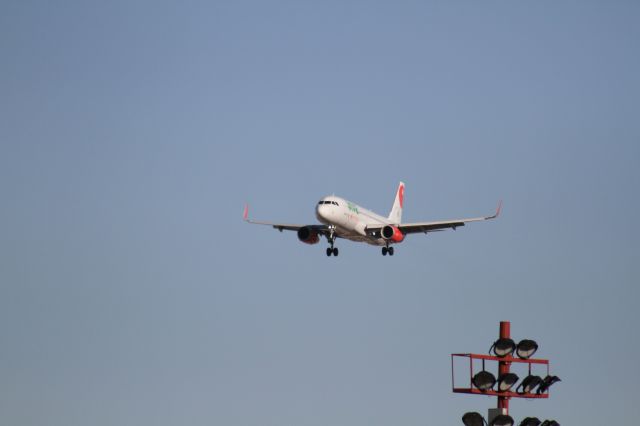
(473, 418)
(546, 384)
(502, 420)
(529, 384)
(503, 347)
(530, 421)
(526, 348)
(507, 381)
(484, 380)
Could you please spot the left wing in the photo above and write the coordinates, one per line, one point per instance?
(425, 227)
(320, 229)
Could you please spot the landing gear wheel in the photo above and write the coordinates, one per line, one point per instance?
(335, 251)
(329, 251)
(390, 250)
(384, 251)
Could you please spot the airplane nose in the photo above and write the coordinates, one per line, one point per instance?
(321, 212)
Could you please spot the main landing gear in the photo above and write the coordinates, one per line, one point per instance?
(332, 238)
(332, 251)
(386, 250)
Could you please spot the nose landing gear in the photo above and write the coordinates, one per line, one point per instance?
(386, 250)
(332, 238)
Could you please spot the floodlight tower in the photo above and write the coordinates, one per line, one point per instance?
(483, 382)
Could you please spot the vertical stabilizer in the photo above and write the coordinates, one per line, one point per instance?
(396, 211)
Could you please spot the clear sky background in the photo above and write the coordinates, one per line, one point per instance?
(132, 133)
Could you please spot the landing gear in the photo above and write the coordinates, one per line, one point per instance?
(332, 238)
(386, 250)
(332, 251)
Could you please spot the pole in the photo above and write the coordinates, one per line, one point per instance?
(503, 366)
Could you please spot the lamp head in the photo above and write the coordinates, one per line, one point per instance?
(484, 380)
(473, 418)
(502, 420)
(503, 347)
(506, 381)
(526, 348)
(546, 383)
(529, 383)
(530, 421)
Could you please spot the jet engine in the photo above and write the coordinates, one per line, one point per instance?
(392, 233)
(308, 235)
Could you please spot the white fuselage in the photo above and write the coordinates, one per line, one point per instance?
(349, 219)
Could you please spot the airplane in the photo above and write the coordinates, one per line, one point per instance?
(341, 218)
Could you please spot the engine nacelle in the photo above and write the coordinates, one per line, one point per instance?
(392, 233)
(308, 235)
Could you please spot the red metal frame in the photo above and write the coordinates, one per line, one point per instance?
(504, 365)
(505, 359)
(509, 394)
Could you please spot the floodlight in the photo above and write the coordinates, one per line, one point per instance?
(530, 421)
(502, 420)
(550, 423)
(503, 347)
(473, 418)
(506, 381)
(526, 348)
(529, 383)
(546, 383)
(484, 380)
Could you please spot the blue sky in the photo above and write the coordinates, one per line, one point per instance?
(132, 134)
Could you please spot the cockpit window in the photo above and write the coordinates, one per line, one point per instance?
(327, 202)
(334, 203)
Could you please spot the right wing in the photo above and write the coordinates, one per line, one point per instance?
(320, 229)
(425, 227)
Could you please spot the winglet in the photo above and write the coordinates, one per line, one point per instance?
(245, 215)
(497, 211)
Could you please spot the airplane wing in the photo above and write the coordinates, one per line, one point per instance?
(320, 229)
(425, 227)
